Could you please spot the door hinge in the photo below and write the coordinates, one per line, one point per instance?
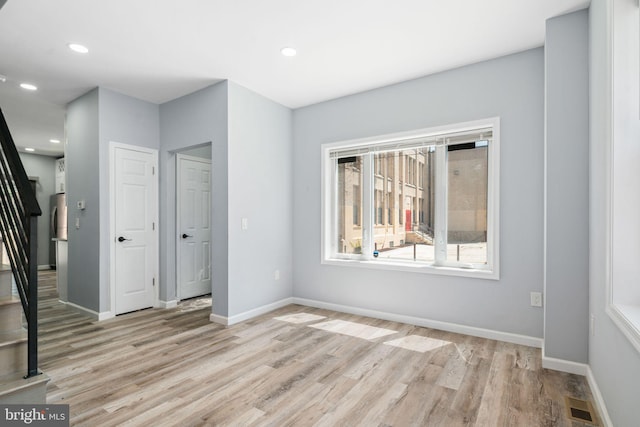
(153, 170)
(153, 226)
(153, 281)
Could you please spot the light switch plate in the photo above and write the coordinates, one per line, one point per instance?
(536, 299)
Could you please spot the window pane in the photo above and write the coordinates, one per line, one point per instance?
(406, 232)
(467, 167)
(418, 188)
(349, 203)
(377, 201)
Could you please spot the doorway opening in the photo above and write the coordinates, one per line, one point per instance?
(193, 226)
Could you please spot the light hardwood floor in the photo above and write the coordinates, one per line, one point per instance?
(309, 367)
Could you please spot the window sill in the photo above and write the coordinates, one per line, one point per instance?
(627, 318)
(409, 266)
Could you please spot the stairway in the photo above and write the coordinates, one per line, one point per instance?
(419, 237)
(19, 212)
(14, 388)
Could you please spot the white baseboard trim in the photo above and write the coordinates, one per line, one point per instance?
(228, 321)
(222, 320)
(44, 267)
(168, 304)
(427, 323)
(93, 314)
(106, 315)
(83, 310)
(564, 365)
(597, 396)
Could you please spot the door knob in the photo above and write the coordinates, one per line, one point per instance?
(184, 236)
(122, 239)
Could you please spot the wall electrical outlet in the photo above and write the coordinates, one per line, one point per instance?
(276, 275)
(536, 299)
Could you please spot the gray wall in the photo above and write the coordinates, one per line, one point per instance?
(251, 162)
(82, 163)
(125, 120)
(615, 363)
(566, 334)
(510, 87)
(260, 189)
(189, 121)
(93, 121)
(44, 168)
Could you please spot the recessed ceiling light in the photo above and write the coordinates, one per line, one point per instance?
(78, 48)
(54, 141)
(29, 149)
(28, 86)
(288, 51)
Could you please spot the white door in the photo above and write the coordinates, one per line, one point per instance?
(135, 235)
(193, 226)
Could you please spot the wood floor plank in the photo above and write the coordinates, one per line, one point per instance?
(174, 367)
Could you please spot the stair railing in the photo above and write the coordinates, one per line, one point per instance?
(19, 212)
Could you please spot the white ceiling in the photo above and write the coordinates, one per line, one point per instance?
(157, 50)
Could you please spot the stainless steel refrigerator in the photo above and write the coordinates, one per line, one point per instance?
(58, 224)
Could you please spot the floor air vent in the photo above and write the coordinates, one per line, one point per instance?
(580, 410)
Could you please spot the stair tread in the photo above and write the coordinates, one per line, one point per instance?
(13, 337)
(16, 381)
(10, 299)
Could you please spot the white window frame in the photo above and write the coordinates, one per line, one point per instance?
(621, 285)
(329, 254)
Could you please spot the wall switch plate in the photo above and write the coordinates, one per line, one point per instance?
(536, 299)
(245, 223)
(276, 275)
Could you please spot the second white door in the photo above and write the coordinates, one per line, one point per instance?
(194, 226)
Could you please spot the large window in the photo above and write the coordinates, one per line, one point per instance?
(624, 238)
(427, 199)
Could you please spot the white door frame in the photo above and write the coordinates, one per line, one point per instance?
(178, 222)
(112, 222)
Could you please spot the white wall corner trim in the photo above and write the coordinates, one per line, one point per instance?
(564, 365)
(597, 396)
(427, 323)
(168, 304)
(250, 314)
(93, 314)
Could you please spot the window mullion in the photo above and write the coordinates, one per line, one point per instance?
(333, 247)
(440, 214)
(367, 206)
